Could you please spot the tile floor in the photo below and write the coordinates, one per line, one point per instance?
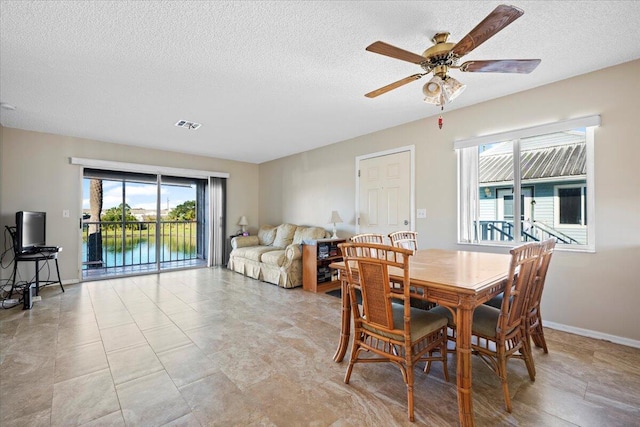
(208, 347)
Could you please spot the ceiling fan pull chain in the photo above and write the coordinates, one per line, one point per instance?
(440, 118)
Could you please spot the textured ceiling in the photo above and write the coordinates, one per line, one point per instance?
(267, 79)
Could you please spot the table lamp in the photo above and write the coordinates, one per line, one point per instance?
(335, 218)
(243, 222)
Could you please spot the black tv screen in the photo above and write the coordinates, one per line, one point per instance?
(30, 230)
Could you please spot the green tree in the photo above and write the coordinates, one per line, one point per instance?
(184, 212)
(114, 214)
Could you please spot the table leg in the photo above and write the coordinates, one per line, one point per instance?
(464, 320)
(345, 324)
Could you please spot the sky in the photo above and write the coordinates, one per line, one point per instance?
(139, 195)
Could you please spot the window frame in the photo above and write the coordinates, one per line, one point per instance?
(468, 232)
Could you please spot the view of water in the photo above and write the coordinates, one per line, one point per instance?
(141, 253)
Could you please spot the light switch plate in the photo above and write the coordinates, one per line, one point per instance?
(421, 213)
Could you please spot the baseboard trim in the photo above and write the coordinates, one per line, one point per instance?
(592, 334)
(70, 281)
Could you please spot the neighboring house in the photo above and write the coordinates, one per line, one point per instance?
(553, 193)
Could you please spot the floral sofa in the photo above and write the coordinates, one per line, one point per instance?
(274, 255)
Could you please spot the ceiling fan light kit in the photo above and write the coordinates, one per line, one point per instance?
(439, 92)
(444, 56)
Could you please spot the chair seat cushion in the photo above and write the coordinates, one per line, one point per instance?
(422, 323)
(485, 319)
(495, 301)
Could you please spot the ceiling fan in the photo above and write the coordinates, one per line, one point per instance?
(443, 56)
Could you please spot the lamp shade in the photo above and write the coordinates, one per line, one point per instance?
(243, 221)
(433, 91)
(335, 217)
(452, 88)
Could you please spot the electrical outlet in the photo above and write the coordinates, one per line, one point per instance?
(421, 213)
(36, 298)
(11, 301)
(65, 213)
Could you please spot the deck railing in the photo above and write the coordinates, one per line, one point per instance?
(134, 243)
(500, 230)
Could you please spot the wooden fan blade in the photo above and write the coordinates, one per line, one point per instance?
(501, 16)
(393, 85)
(395, 52)
(523, 66)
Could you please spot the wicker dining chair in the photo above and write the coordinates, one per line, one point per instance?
(500, 334)
(368, 238)
(386, 327)
(404, 239)
(534, 317)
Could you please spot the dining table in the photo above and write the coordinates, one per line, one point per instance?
(459, 280)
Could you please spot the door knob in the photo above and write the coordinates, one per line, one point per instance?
(406, 222)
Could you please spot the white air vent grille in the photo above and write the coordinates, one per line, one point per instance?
(188, 125)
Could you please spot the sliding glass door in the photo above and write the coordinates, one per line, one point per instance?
(136, 223)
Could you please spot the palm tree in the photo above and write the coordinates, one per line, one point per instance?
(95, 236)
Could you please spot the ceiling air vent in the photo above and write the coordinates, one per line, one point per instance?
(188, 125)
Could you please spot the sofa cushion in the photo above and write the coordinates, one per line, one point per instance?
(276, 257)
(284, 235)
(308, 233)
(266, 235)
(253, 253)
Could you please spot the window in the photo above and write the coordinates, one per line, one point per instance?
(571, 205)
(548, 168)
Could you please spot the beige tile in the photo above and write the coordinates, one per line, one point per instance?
(208, 338)
(151, 318)
(18, 367)
(215, 400)
(151, 400)
(83, 399)
(187, 364)
(133, 362)
(36, 419)
(78, 334)
(32, 338)
(113, 419)
(73, 318)
(123, 336)
(188, 420)
(165, 338)
(109, 319)
(80, 360)
(26, 386)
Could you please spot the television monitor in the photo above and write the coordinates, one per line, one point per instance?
(30, 230)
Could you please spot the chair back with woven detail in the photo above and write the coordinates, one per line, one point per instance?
(386, 327)
(522, 273)
(368, 238)
(534, 317)
(404, 239)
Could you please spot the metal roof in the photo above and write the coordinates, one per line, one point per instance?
(558, 160)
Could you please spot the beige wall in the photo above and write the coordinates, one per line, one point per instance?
(36, 175)
(597, 292)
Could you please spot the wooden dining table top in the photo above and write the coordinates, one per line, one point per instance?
(468, 272)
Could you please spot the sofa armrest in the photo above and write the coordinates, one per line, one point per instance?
(293, 252)
(244, 241)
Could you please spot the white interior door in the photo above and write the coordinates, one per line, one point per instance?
(385, 194)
